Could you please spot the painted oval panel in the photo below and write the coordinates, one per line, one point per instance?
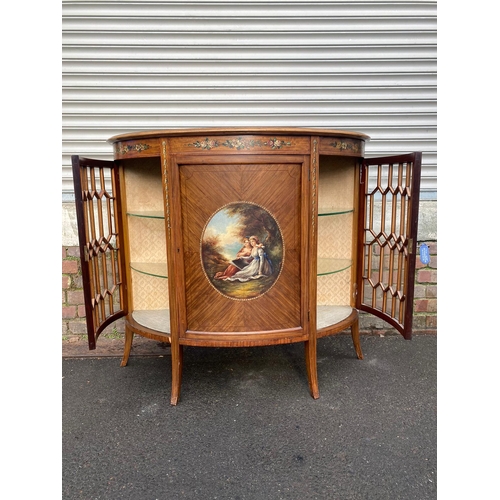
(242, 251)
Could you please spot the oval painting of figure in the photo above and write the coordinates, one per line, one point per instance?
(242, 250)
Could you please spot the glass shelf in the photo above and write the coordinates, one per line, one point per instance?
(331, 266)
(323, 211)
(158, 269)
(148, 214)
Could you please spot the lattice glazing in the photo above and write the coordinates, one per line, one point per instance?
(386, 245)
(102, 242)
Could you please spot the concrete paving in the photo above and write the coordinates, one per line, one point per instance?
(247, 428)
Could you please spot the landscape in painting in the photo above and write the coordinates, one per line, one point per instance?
(242, 250)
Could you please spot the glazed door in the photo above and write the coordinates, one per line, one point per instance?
(387, 238)
(97, 196)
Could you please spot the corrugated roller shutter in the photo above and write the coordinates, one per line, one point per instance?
(364, 66)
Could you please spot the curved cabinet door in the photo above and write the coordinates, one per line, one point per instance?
(241, 248)
(97, 196)
(388, 219)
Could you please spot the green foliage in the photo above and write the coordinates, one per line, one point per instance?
(247, 289)
(113, 334)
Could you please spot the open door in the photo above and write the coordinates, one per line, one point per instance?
(387, 238)
(97, 198)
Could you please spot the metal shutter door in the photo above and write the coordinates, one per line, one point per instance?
(369, 67)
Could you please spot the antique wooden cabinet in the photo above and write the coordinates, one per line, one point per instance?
(246, 237)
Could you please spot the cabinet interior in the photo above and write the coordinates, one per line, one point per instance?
(336, 216)
(145, 229)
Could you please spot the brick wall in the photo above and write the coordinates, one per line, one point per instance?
(425, 304)
(73, 309)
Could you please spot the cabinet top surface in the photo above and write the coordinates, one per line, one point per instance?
(238, 130)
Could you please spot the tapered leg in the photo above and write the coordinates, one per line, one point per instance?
(177, 356)
(355, 338)
(311, 367)
(129, 336)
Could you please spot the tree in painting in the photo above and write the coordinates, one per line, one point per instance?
(242, 243)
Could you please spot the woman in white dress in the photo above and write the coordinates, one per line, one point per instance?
(259, 267)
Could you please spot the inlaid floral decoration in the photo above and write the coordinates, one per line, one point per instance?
(241, 143)
(126, 148)
(344, 146)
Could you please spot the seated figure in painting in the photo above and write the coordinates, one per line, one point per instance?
(243, 258)
(259, 267)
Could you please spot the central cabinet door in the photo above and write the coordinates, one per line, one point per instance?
(244, 247)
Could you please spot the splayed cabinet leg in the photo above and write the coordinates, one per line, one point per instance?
(355, 338)
(311, 367)
(177, 356)
(129, 336)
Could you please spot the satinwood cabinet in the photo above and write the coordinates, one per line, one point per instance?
(246, 237)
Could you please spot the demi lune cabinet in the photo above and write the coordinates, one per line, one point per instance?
(244, 237)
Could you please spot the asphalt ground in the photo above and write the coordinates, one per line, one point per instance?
(246, 427)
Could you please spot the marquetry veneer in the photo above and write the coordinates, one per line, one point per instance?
(244, 237)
